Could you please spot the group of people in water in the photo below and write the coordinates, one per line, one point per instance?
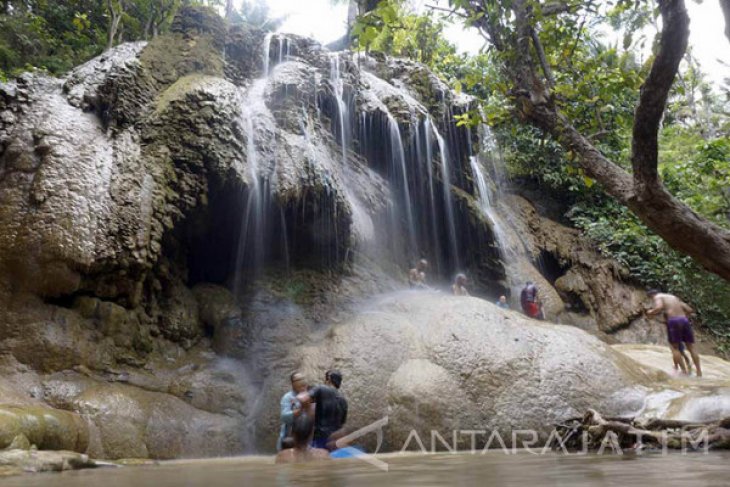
(312, 419)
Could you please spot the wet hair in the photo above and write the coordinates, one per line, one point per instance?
(334, 376)
(287, 443)
(294, 374)
(652, 292)
(459, 278)
(301, 429)
(422, 263)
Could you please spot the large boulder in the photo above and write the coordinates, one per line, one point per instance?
(436, 362)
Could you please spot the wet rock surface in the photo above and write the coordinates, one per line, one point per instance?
(137, 319)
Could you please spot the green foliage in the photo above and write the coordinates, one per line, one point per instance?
(652, 262)
(596, 86)
(392, 29)
(55, 36)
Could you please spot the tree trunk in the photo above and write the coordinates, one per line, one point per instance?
(643, 192)
(115, 12)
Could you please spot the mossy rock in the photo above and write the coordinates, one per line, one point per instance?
(47, 428)
(201, 21)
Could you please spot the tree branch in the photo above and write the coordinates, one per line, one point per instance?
(654, 92)
(542, 58)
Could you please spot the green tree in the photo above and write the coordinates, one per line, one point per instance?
(533, 41)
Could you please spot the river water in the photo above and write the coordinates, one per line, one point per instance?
(493, 468)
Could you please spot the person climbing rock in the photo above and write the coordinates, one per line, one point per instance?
(330, 412)
(417, 275)
(301, 451)
(529, 300)
(679, 329)
(290, 406)
(459, 286)
(502, 302)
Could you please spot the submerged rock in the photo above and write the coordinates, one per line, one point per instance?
(19, 461)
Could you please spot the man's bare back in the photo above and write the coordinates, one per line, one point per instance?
(296, 455)
(672, 306)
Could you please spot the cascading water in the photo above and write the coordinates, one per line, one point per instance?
(446, 183)
(256, 234)
(400, 170)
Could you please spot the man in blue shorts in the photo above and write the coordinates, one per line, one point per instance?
(679, 329)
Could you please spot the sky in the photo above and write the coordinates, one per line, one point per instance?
(326, 22)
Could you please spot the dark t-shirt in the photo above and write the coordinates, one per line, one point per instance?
(528, 295)
(330, 411)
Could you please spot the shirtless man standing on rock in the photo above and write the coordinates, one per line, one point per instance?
(679, 328)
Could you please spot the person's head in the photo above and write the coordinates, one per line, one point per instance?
(503, 299)
(301, 430)
(287, 443)
(422, 265)
(298, 383)
(652, 292)
(333, 377)
(529, 283)
(460, 280)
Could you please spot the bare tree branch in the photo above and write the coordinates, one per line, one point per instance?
(543, 59)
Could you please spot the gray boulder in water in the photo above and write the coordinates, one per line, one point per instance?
(429, 361)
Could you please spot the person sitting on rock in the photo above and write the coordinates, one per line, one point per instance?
(417, 275)
(330, 412)
(290, 406)
(459, 286)
(529, 301)
(301, 451)
(502, 302)
(679, 329)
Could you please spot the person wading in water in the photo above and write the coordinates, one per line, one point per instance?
(679, 328)
(290, 407)
(330, 412)
(301, 451)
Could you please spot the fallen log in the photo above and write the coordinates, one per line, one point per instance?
(592, 431)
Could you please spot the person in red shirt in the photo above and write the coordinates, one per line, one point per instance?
(529, 300)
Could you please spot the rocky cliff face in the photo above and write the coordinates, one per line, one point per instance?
(181, 221)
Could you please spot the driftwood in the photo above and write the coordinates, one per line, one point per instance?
(593, 431)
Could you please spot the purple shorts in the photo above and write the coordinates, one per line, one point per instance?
(680, 330)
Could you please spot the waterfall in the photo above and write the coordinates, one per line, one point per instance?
(338, 86)
(284, 50)
(256, 237)
(398, 164)
(485, 205)
(448, 199)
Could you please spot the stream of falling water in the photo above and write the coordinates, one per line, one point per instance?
(448, 199)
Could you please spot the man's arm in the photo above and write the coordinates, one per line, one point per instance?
(287, 409)
(658, 307)
(308, 397)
